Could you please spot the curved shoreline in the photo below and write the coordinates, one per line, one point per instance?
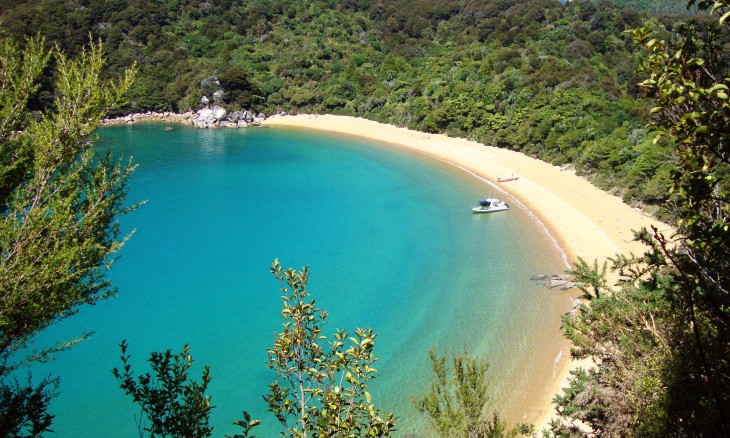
(584, 220)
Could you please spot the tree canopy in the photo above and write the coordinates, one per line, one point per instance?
(59, 202)
(662, 337)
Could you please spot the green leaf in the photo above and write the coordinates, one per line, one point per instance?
(695, 61)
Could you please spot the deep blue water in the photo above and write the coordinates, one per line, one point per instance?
(390, 241)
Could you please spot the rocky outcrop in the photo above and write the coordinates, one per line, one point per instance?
(185, 118)
(556, 281)
(209, 117)
(245, 116)
(218, 95)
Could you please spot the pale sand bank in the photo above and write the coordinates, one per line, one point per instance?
(586, 221)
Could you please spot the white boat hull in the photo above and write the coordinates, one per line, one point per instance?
(490, 209)
(490, 205)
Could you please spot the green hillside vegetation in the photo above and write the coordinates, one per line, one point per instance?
(656, 6)
(661, 335)
(554, 81)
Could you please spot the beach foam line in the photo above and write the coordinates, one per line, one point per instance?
(583, 220)
(533, 216)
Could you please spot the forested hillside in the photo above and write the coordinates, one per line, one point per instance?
(656, 6)
(555, 81)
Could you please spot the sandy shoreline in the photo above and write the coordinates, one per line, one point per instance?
(585, 220)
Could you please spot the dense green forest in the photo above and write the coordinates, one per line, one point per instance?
(656, 6)
(555, 81)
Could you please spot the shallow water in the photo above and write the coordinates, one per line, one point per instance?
(391, 244)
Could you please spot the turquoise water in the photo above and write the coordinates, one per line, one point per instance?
(391, 245)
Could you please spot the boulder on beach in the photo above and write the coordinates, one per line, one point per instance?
(204, 117)
(218, 112)
(208, 116)
(235, 116)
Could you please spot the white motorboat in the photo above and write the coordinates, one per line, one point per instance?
(490, 205)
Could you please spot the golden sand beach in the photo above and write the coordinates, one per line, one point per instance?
(586, 221)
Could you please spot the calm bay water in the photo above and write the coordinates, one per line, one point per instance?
(391, 244)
